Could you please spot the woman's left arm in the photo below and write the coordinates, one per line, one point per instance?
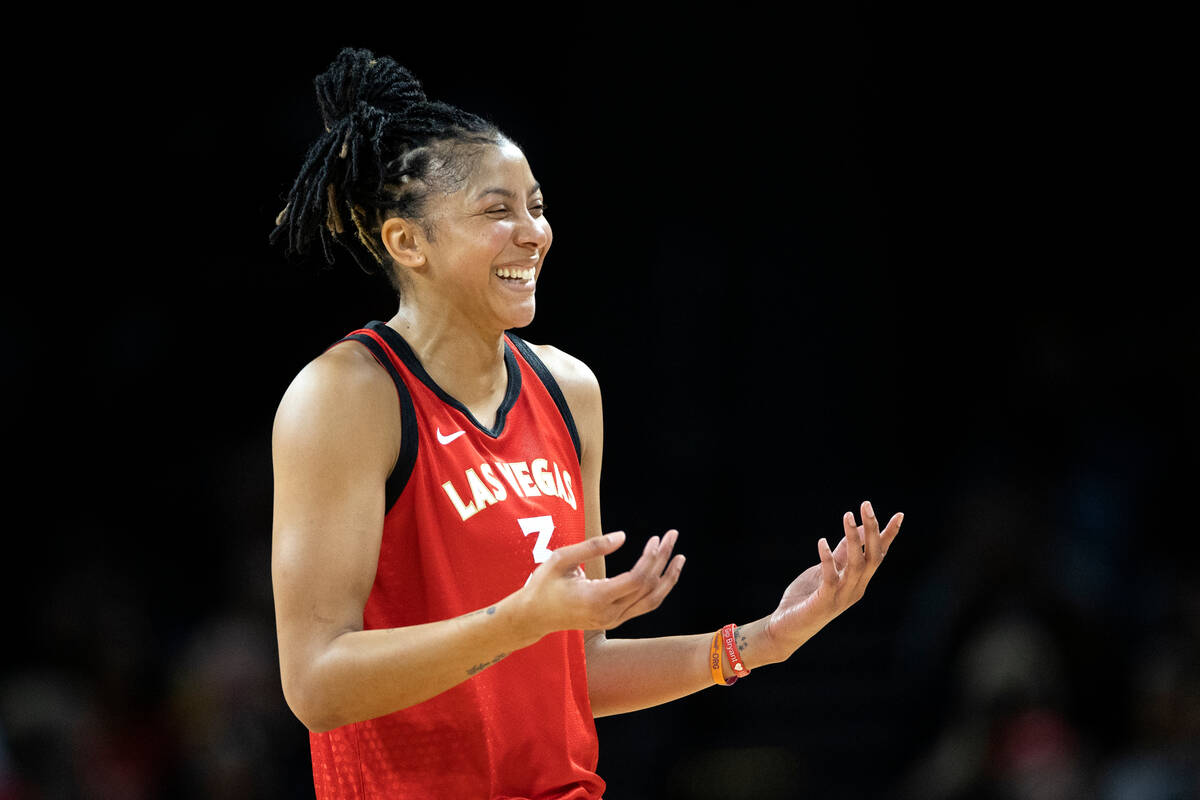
(631, 674)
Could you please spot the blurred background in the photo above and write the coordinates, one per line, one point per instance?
(930, 257)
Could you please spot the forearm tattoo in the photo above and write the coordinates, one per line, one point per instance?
(743, 642)
(475, 670)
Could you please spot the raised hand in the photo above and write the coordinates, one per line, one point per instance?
(828, 588)
(559, 595)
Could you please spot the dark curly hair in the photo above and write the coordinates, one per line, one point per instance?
(385, 149)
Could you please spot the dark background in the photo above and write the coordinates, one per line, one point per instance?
(927, 257)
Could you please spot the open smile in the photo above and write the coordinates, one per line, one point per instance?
(517, 274)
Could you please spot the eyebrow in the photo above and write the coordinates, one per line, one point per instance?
(500, 190)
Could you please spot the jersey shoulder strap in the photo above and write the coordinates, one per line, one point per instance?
(406, 459)
(539, 368)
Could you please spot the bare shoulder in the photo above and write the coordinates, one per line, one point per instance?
(345, 376)
(341, 397)
(581, 390)
(576, 379)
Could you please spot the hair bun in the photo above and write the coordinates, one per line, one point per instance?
(357, 77)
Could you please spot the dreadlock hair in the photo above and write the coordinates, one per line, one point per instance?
(385, 149)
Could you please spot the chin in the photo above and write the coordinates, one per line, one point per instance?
(524, 322)
(522, 317)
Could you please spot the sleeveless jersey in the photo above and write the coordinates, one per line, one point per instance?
(471, 511)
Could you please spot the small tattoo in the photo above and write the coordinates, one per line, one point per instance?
(743, 644)
(492, 610)
(481, 667)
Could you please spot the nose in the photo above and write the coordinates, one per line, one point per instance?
(533, 232)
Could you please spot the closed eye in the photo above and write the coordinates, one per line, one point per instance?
(535, 210)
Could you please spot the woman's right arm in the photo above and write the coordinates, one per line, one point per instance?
(336, 436)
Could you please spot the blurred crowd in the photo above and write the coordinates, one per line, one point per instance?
(1074, 669)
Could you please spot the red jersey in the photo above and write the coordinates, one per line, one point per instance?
(471, 512)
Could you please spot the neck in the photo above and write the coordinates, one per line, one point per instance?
(466, 360)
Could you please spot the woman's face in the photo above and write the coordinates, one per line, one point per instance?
(489, 241)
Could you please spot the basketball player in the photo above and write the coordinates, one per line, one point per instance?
(438, 557)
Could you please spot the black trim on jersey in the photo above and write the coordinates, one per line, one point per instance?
(407, 457)
(551, 385)
(405, 353)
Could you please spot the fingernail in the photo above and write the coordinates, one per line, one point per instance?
(870, 511)
(900, 521)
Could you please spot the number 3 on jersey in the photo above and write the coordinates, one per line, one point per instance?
(543, 527)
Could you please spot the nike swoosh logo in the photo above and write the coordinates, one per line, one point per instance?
(450, 438)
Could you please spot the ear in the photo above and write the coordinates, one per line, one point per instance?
(403, 240)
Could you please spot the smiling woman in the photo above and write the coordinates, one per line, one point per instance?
(478, 250)
(437, 554)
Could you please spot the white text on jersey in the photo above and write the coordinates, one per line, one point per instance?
(525, 479)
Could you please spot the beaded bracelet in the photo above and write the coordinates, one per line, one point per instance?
(714, 663)
(735, 658)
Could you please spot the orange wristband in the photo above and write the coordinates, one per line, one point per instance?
(714, 662)
(735, 658)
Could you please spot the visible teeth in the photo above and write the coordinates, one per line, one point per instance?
(523, 274)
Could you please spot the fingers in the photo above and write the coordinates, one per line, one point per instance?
(855, 556)
(843, 547)
(873, 549)
(663, 585)
(874, 543)
(644, 576)
(645, 586)
(829, 572)
(889, 533)
(846, 572)
(661, 554)
(576, 602)
(566, 559)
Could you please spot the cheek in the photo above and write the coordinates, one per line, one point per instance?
(494, 238)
